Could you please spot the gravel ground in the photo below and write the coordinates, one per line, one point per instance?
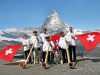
(84, 66)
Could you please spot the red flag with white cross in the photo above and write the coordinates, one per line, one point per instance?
(89, 40)
(9, 51)
(55, 38)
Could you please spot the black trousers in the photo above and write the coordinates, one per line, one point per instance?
(72, 52)
(26, 54)
(50, 56)
(64, 55)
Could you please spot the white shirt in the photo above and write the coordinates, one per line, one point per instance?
(35, 41)
(26, 44)
(42, 36)
(63, 43)
(46, 46)
(69, 38)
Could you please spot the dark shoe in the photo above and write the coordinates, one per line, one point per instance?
(74, 60)
(30, 62)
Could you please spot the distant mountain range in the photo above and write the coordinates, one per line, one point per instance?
(53, 23)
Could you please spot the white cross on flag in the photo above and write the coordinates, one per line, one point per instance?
(89, 40)
(9, 51)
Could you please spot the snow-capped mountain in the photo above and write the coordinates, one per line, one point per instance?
(29, 30)
(53, 22)
(97, 29)
(13, 35)
(10, 36)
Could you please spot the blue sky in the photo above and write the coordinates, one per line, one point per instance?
(81, 14)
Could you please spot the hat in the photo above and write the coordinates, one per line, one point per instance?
(34, 31)
(47, 37)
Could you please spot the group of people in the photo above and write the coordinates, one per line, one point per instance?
(41, 44)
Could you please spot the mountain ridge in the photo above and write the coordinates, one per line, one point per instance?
(53, 23)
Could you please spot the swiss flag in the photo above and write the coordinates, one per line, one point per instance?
(9, 51)
(55, 38)
(89, 40)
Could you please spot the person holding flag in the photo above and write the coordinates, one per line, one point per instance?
(26, 46)
(8, 52)
(70, 36)
(56, 51)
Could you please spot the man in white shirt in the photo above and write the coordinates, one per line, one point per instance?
(62, 47)
(26, 45)
(36, 50)
(48, 45)
(72, 44)
(43, 35)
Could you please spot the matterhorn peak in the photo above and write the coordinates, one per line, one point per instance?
(53, 22)
(53, 13)
(54, 17)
